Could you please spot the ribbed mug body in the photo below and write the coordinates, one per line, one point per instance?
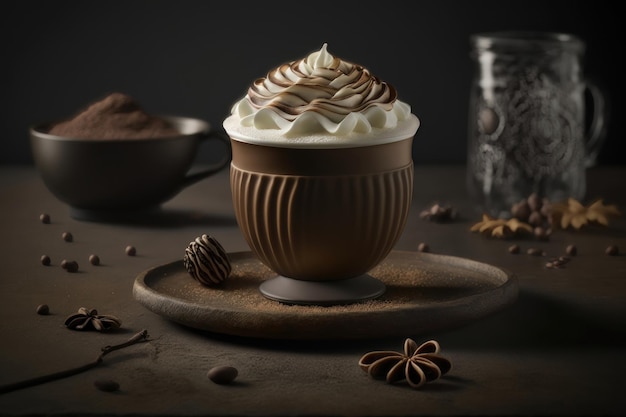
(321, 214)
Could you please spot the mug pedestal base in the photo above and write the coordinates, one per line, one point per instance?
(345, 291)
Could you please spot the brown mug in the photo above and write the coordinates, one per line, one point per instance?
(321, 217)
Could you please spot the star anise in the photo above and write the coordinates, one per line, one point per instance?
(417, 365)
(501, 228)
(573, 213)
(89, 319)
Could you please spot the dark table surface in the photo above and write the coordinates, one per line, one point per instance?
(557, 350)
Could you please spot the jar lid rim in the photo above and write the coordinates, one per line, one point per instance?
(526, 40)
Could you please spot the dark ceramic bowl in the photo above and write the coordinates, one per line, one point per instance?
(105, 178)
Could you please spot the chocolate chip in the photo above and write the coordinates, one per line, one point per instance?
(45, 260)
(612, 250)
(107, 385)
(514, 249)
(571, 250)
(222, 374)
(67, 236)
(130, 250)
(423, 247)
(43, 309)
(45, 218)
(94, 259)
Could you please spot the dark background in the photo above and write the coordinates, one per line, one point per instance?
(196, 58)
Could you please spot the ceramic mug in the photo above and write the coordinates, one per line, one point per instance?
(104, 179)
(321, 218)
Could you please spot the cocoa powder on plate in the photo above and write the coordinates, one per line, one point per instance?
(116, 116)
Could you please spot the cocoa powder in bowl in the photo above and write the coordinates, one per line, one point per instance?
(114, 159)
(116, 116)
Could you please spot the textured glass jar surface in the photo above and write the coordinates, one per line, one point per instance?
(526, 119)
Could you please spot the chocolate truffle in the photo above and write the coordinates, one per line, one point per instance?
(206, 261)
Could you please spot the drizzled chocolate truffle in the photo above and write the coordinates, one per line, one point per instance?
(207, 261)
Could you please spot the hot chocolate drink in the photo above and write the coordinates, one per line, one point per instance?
(321, 177)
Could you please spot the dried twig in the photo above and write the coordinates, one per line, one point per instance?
(142, 336)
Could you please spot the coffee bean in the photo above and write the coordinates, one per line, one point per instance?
(423, 247)
(535, 219)
(541, 233)
(534, 202)
(130, 250)
(546, 209)
(45, 260)
(558, 262)
(612, 250)
(43, 309)
(94, 259)
(514, 249)
(45, 218)
(71, 266)
(107, 385)
(67, 236)
(535, 252)
(571, 250)
(521, 210)
(222, 374)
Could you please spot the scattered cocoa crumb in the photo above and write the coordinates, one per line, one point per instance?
(439, 213)
(558, 262)
(43, 309)
(612, 250)
(45, 218)
(94, 259)
(514, 249)
(423, 247)
(130, 250)
(45, 260)
(571, 250)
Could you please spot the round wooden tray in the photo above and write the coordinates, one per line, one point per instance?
(424, 293)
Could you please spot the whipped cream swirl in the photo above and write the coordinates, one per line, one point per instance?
(320, 96)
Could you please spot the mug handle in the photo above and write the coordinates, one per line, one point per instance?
(597, 129)
(205, 136)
